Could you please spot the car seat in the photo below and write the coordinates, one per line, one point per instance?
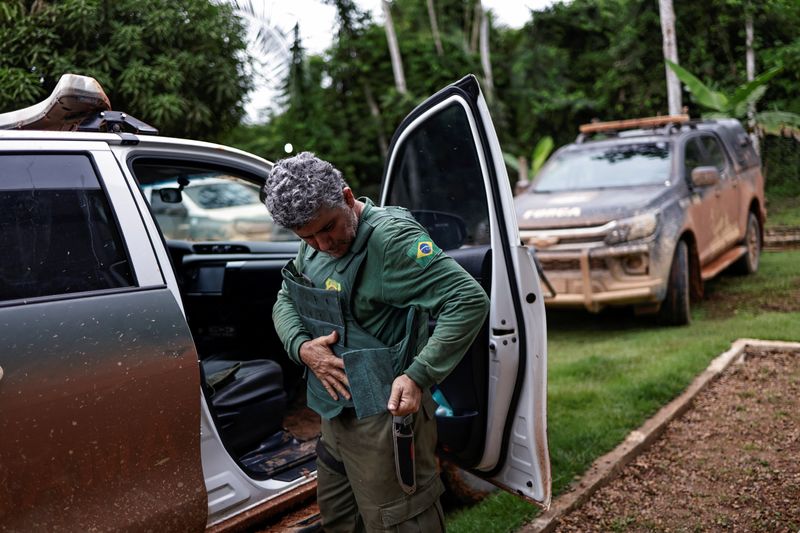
(247, 399)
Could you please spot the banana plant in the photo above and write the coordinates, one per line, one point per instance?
(539, 156)
(735, 104)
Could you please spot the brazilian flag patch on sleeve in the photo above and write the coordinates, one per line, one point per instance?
(423, 251)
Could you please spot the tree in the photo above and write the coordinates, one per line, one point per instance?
(539, 156)
(178, 65)
(667, 13)
(486, 58)
(750, 62)
(394, 49)
(437, 39)
(273, 54)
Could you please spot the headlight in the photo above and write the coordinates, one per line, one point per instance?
(630, 229)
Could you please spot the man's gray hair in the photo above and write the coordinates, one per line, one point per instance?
(298, 187)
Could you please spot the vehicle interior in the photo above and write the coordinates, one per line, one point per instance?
(255, 392)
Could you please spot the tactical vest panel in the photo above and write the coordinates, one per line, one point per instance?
(322, 296)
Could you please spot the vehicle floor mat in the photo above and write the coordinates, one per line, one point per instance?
(279, 455)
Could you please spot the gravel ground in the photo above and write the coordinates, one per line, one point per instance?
(731, 463)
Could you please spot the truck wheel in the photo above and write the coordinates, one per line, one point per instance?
(675, 307)
(748, 263)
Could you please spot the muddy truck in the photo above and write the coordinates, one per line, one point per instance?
(642, 212)
(142, 384)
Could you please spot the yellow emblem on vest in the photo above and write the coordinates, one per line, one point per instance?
(333, 285)
(424, 249)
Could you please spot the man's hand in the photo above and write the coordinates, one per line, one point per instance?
(405, 397)
(329, 369)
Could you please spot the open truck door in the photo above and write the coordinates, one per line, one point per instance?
(445, 165)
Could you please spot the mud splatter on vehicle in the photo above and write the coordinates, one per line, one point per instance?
(641, 212)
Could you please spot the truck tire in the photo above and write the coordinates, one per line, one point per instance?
(748, 263)
(674, 309)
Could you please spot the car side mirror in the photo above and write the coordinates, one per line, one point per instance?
(705, 176)
(521, 186)
(170, 195)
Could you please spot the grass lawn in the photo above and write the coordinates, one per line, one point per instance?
(608, 373)
(783, 211)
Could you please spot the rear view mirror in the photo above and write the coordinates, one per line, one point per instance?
(448, 231)
(170, 195)
(705, 176)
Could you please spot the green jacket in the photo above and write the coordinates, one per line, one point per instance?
(400, 272)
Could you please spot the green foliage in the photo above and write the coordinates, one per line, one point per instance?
(348, 106)
(178, 65)
(539, 156)
(781, 169)
(780, 123)
(702, 94)
(736, 105)
(783, 211)
(570, 63)
(540, 153)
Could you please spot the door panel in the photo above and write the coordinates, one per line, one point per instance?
(728, 192)
(445, 158)
(99, 415)
(705, 208)
(98, 398)
(462, 437)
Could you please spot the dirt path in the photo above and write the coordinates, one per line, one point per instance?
(731, 463)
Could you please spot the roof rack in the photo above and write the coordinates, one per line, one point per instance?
(76, 103)
(633, 123)
(116, 122)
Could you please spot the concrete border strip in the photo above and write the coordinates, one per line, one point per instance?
(611, 464)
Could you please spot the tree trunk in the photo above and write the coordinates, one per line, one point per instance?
(486, 59)
(437, 39)
(667, 14)
(523, 170)
(476, 27)
(375, 111)
(750, 60)
(394, 50)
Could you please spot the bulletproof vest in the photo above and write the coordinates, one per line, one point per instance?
(322, 295)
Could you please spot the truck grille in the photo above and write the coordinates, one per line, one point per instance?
(553, 264)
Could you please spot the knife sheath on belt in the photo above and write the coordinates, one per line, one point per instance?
(403, 437)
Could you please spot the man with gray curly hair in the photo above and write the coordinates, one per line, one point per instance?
(353, 309)
(300, 185)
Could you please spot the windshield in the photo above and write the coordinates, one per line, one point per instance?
(612, 166)
(220, 195)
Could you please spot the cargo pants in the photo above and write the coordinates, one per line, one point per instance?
(357, 481)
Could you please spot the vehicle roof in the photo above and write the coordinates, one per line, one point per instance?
(114, 139)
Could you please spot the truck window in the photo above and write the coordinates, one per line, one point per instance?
(439, 172)
(716, 155)
(693, 157)
(215, 204)
(57, 231)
